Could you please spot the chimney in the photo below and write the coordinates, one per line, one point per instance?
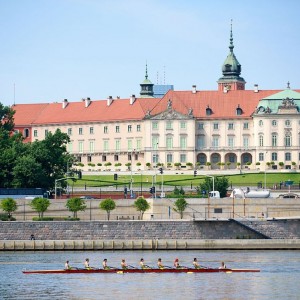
(194, 89)
(132, 99)
(109, 100)
(87, 101)
(65, 103)
(255, 88)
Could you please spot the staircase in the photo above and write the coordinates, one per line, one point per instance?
(273, 229)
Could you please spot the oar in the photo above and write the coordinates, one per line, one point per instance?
(132, 267)
(148, 266)
(168, 267)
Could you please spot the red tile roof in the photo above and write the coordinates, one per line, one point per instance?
(223, 106)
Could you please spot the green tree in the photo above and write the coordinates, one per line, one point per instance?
(221, 184)
(40, 205)
(108, 205)
(180, 205)
(141, 205)
(76, 204)
(8, 205)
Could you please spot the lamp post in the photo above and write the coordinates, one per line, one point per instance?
(265, 172)
(55, 183)
(131, 192)
(208, 197)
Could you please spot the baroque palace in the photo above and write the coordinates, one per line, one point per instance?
(226, 128)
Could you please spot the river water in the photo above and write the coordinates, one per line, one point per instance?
(279, 277)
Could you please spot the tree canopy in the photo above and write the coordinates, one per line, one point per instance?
(36, 164)
(141, 205)
(108, 205)
(8, 205)
(40, 205)
(180, 205)
(75, 204)
(221, 184)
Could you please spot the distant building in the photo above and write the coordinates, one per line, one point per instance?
(229, 127)
(159, 90)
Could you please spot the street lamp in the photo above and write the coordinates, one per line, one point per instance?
(131, 193)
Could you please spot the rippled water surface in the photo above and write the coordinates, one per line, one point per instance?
(279, 277)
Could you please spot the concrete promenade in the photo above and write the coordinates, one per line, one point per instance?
(165, 244)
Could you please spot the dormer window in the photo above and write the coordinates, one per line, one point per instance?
(239, 111)
(208, 110)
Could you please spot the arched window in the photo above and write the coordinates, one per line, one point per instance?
(239, 111)
(261, 140)
(208, 111)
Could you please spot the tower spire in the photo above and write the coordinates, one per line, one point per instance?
(231, 38)
(146, 76)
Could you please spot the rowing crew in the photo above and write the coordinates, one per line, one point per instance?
(142, 265)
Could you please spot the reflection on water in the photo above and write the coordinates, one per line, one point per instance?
(279, 276)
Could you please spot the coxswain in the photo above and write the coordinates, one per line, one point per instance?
(176, 263)
(124, 266)
(67, 266)
(196, 264)
(223, 266)
(104, 264)
(159, 264)
(87, 264)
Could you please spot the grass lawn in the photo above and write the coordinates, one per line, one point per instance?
(249, 179)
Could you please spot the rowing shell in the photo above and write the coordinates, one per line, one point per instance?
(120, 271)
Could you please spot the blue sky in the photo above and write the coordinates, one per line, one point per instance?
(56, 49)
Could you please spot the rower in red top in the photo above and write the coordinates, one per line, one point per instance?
(176, 263)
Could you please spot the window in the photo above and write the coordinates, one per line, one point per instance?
(154, 142)
(200, 126)
(138, 127)
(182, 125)
(46, 132)
(169, 125)
(274, 140)
(274, 156)
(231, 158)
(35, 133)
(260, 123)
(116, 157)
(245, 142)
(288, 141)
(80, 131)
(274, 123)
(216, 126)
(288, 156)
(70, 147)
(89, 158)
(105, 129)
(261, 140)
(103, 158)
(129, 128)
(246, 125)
(154, 125)
(92, 146)
(200, 141)
(91, 130)
(117, 128)
(169, 158)
(183, 142)
(208, 111)
(80, 146)
(105, 145)
(169, 142)
(138, 144)
(239, 111)
(230, 141)
(118, 143)
(129, 145)
(155, 158)
(261, 156)
(215, 142)
(183, 158)
(230, 126)
(69, 131)
(288, 123)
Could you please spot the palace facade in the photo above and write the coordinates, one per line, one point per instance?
(230, 127)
